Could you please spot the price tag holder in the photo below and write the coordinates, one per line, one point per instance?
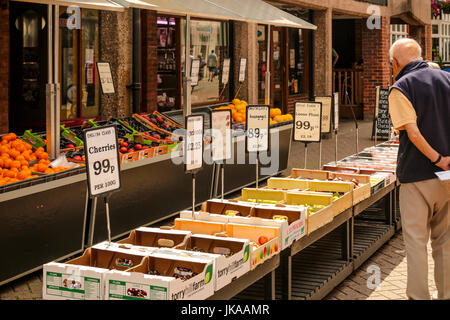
(193, 143)
(307, 121)
(226, 71)
(102, 160)
(327, 103)
(242, 69)
(336, 110)
(257, 128)
(195, 70)
(106, 79)
(222, 140)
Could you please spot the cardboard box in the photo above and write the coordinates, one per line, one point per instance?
(258, 253)
(155, 237)
(83, 278)
(137, 284)
(319, 218)
(199, 227)
(258, 214)
(231, 256)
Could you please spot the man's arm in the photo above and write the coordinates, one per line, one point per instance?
(419, 141)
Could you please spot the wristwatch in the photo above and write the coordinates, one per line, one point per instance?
(437, 161)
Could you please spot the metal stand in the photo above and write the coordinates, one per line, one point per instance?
(257, 171)
(320, 154)
(336, 146)
(223, 179)
(306, 153)
(108, 223)
(193, 196)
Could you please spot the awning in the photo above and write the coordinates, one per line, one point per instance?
(88, 4)
(256, 11)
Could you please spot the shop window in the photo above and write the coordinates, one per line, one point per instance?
(209, 44)
(79, 48)
(297, 61)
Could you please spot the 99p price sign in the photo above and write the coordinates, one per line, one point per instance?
(258, 123)
(102, 160)
(307, 121)
(193, 143)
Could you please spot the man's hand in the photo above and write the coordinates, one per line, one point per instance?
(444, 164)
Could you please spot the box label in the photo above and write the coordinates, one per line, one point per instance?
(135, 291)
(72, 286)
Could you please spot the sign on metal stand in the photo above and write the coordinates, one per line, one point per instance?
(221, 140)
(307, 123)
(193, 149)
(102, 167)
(327, 104)
(242, 70)
(257, 132)
(336, 124)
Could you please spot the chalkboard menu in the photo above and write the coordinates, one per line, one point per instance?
(383, 122)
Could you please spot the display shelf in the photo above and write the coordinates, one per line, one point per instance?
(363, 205)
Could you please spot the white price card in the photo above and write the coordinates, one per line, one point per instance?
(102, 160)
(327, 103)
(193, 143)
(195, 70)
(106, 79)
(226, 71)
(307, 121)
(242, 68)
(257, 128)
(221, 143)
(336, 110)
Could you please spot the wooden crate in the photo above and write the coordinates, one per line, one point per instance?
(319, 218)
(199, 227)
(309, 174)
(341, 204)
(262, 194)
(287, 184)
(362, 191)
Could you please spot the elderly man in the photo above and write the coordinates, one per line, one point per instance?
(419, 105)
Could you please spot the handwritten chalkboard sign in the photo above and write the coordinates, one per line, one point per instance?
(382, 118)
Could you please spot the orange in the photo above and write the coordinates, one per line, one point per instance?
(32, 157)
(20, 157)
(5, 155)
(40, 149)
(49, 171)
(7, 163)
(14, 153)
(25, 168)
(28, 146)
(23, 162)
(12, 136)
(10, 174)
(4, 149)
(15, 164)
(1, 163)
(41, 167)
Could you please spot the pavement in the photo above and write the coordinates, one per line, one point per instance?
(390, 258)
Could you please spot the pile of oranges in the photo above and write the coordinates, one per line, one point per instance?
(15, 158)
(239, 109)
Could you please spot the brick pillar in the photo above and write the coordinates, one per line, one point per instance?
(149, 61)
(422, 34)
(4, 67)
(245, 46)
(323, 39)
(375, 51)
(116, 48)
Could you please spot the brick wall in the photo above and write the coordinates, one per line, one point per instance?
(4, 67)
(294, 98)
(375, 52)
(149, 61)
(422, 34)
(322, 60)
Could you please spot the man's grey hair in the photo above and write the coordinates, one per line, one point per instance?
(405, 50)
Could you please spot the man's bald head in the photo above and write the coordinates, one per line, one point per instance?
(405, 51)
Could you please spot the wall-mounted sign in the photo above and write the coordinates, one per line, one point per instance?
(105, 76)
(226, 71)
(243, 66)
(195, 71)
(193, 143)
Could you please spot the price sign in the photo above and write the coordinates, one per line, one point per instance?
(195, 70)
(307, 121)
(242, 68)
(326, 112)
(102, 160)
(383, 118)
(336, 110)
(106, 79)
(226, 71)
(193, 143)
(257, 128)
(221, 143)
